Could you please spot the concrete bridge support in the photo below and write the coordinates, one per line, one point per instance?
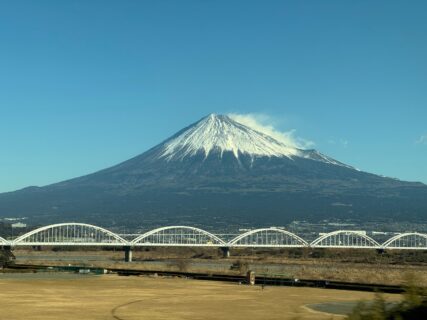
(128, 253)
(225, 252)
(250, 278)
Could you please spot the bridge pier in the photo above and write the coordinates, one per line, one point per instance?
(250, 278)
(225, 252)
(128, 253)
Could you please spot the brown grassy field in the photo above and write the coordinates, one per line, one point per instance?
(364, 266)
(137, 298)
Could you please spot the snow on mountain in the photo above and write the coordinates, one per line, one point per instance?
(317, 156)
(221, 170)
(221, 133)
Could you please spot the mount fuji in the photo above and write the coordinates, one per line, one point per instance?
(219, 168)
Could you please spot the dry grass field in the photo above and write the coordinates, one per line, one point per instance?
(341, 265)
(137, 298)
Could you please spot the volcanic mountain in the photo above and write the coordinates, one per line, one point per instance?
(220, 168)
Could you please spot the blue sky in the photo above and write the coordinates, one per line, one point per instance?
(87, 84)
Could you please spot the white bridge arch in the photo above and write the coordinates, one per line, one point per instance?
(178, 236)
(409, 240)
(81, 234)
(4, 242)
(345, 239)
(268, 237)
(69, 234)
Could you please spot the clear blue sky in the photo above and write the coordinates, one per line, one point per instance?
(87, 84)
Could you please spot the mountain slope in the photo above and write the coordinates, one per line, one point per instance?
(218, 167)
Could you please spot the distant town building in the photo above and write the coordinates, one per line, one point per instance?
(19, 225)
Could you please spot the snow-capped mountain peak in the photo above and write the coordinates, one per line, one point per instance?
(220, 133)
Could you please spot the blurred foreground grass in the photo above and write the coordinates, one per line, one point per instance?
(412, 307)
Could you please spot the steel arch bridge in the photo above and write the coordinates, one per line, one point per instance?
(4, 242)
(81, 234)
(69, 234)
(268, 237)
(178, 236)
(412, 240)
(345, 239)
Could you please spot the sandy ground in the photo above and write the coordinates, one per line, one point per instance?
(132, 298)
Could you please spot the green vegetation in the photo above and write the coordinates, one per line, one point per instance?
(412, 307)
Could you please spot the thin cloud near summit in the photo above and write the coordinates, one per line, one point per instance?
(265, 124)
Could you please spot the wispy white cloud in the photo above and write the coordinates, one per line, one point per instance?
(266, 124)
(341, 142)
(422, 139)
